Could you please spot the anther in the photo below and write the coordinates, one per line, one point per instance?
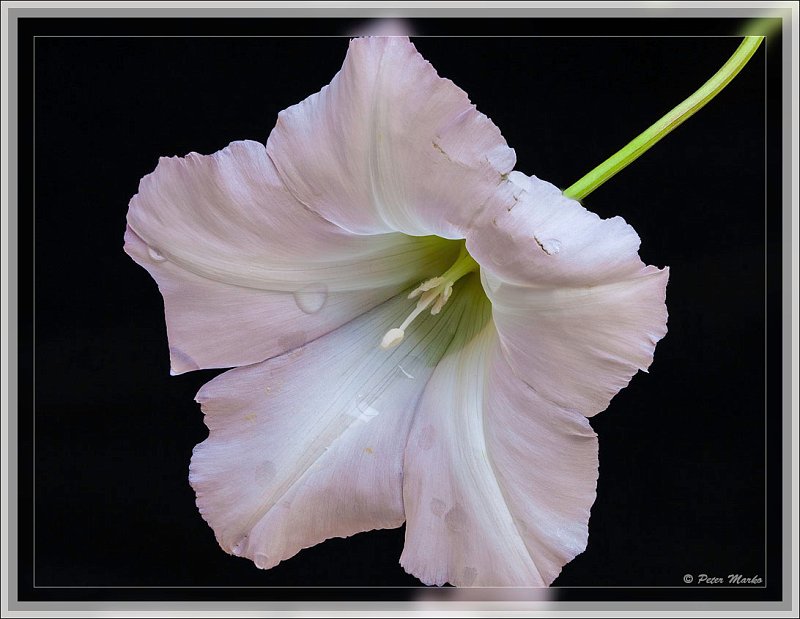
(425, 286)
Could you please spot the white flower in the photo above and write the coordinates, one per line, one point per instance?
(462, 411)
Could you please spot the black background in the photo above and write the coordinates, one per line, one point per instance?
(106, 434)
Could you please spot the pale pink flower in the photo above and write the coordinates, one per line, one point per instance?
(462, 412)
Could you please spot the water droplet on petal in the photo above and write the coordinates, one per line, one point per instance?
(500, 257)
(311, 298)
(155, 255)
(367, 412)
(456, 518)
(437, 507)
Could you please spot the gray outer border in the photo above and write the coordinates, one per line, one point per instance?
(787, 10)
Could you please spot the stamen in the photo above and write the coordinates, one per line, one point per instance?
(436, 292)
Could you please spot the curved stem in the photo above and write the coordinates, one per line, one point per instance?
(641, 143)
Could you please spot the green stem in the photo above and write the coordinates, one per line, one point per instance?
(642, 143)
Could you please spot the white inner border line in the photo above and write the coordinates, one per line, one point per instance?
(397, 587)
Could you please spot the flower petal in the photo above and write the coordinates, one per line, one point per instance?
(498, 481)
(248, 272)
(389, 145)
(577, 311)
(536, 236)
(309, 445)
(580, 346)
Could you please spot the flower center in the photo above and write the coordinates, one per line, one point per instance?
(432, 293)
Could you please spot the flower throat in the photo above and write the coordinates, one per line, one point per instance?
(432, 293)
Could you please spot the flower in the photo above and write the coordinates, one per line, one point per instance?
(419, 333)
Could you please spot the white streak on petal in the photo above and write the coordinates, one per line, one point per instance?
(389, 145)
(307, 447)
(499, 494)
